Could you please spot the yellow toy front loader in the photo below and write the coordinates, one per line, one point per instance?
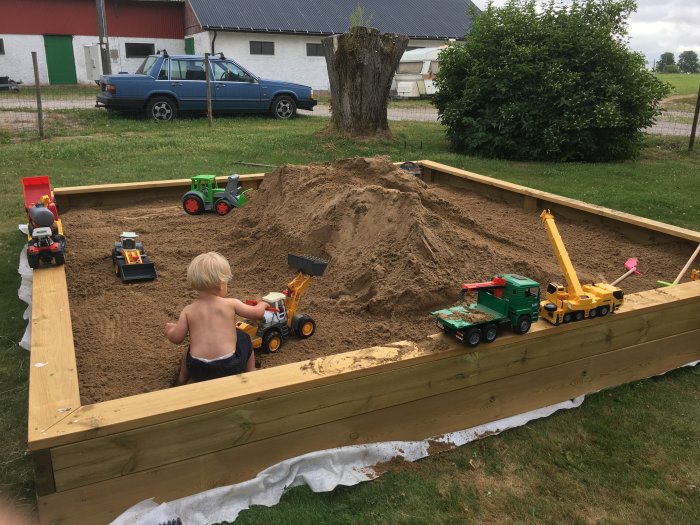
(281, 318)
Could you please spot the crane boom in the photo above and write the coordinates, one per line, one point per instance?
(562, 255)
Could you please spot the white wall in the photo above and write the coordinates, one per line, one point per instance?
(289, 62)
(16, 63)
(17, 60)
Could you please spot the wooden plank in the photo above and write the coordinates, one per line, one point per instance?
(537, 198)
(147, 185)
(43, 473)
(423, 418)
(53, 376)
(120, 415)
(151, 446)
(114, 195)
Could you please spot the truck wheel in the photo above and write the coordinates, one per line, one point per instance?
(306, 327)
(524, 323)
(473, 337)
(193, 205)
(161, 109)
(59, 259)
(222, 207)
(593, 312)
(578, 315)
(603, 311)
(490, 332)
(567, 318)
(271, 341)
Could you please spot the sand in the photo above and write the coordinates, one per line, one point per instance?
(397, 248)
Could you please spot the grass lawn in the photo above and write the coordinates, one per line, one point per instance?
(629, 455)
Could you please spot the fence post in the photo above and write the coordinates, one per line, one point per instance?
(695, 122)
(208, 77)
(40, 111)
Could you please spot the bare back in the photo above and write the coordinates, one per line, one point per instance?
(212, 326)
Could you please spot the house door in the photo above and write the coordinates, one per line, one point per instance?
(59, 59)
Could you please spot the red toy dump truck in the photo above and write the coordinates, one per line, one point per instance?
(508, 299)
(45, 240)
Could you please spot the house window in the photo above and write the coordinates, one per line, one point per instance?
(2, 46)
(314, 50)
(262, 48)
(139, 50)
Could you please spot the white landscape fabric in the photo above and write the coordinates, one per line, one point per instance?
(25, 292)
(322, 471)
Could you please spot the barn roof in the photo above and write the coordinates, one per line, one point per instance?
(428, 19)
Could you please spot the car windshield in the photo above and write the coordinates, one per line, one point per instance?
(146, 65)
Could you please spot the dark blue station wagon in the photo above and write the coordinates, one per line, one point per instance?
(165, 85)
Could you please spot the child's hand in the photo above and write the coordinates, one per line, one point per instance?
(169, 327)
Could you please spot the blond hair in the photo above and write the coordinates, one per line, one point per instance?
(207, 271)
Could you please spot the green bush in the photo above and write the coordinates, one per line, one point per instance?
(558, 84)
(672, 69)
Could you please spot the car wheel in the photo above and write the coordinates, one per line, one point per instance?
(284, 107)
(193, 205)
(222, 207)
(161, 109)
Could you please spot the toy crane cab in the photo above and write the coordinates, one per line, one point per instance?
(45, 240)
(130, 261)
(205, 195)
(574, 302)
(281, 318)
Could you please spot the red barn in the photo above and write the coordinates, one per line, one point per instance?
(64, 33)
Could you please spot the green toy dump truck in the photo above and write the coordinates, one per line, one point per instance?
(508, 299)
(205, 195)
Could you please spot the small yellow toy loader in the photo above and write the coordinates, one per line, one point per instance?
(281, 318)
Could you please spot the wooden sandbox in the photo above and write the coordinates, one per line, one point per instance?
(92, 462)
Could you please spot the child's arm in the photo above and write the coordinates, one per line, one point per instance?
(250, 311)
(176, 332)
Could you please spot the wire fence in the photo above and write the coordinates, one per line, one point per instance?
(19, 110)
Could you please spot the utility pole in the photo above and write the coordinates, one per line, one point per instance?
(104, 41)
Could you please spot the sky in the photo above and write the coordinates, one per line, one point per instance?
(658, 26)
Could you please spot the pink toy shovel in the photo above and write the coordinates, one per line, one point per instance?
(631, 265)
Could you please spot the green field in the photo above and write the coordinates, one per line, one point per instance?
(682, 84)
(628, 455)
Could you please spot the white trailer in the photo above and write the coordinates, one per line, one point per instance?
(417, 68)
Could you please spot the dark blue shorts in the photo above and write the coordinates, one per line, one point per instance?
(201, 370)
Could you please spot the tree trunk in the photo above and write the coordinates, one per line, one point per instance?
(361, 65)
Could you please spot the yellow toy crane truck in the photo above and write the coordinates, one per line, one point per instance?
(281, 318)
(573, 302)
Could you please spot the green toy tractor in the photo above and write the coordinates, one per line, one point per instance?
(205, 195)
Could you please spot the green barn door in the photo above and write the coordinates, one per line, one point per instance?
(189, 46)
(59, 59)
